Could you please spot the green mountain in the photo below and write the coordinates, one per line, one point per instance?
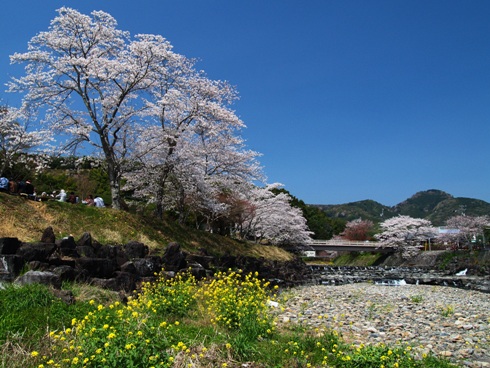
(434, 205)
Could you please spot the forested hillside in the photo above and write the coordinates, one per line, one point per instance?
(434, 205)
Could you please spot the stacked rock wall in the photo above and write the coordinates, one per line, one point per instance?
(123, 267)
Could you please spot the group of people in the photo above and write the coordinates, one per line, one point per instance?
(26, 188)
(62, 196)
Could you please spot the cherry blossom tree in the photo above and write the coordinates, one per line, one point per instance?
(271, 217)
(17, 140)
(468, 228)
(91, 81)
(404, 233)
(194, 140)
(358, 229)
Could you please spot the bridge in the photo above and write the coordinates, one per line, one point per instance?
(349, 246)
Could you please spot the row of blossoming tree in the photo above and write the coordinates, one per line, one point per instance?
(406, 233)
(160, 126)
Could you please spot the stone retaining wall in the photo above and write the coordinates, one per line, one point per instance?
(124, 267)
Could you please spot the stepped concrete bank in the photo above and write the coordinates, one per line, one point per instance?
(462, 269)
(388, 275)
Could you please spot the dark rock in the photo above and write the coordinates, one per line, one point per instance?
(86, 251)
(129, 267)
(135, 250)
(196, 270)
(227, 262)
(97, 267)
(82, 275)
(9, 245)
(12, 264)
(174, 259)
(48, 236)
(38, 266)
(36, 251)
(67, 242)
(56, 260)
(148, 266)
(126, 281)
(39, 277)
(66, 273)
(69, 252)
(203, 260)
(122, 281)
(85, 240)
(112, 252)
(106, 251)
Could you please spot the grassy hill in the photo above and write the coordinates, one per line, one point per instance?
(26, 220)
(434, 205)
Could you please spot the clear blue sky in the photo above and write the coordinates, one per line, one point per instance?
(346, 100)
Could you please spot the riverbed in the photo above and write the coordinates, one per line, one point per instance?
(445, 321)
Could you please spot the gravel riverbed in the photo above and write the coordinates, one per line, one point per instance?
(445, 321)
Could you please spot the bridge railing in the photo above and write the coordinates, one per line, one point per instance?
(338, 242)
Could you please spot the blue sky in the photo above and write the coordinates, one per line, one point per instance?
(347, 100)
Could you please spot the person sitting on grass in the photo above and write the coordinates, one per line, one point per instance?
(89, 201)
(4, 184)
(61, 196)
(72, 198)
(99, 202)
(29, 190)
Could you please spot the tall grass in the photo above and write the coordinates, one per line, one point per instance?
(27, 314)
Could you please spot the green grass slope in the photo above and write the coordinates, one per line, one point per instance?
(26, 220)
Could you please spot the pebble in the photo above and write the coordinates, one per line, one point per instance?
(447, 322)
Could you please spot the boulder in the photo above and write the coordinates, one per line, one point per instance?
(69, 252)
(97, 267)
(196, 270)
(129, 267)
(126, 281)
(135, 249)
(67, 242)
(112, 252)
(38, 266)
(123, 281)
(86, 251)
(203, 260)
(39, 277)
(48, 236)
(9, 245)
(174, 259)
(11, 266)
(36, 251)
(55, 259)
(148, 266)
(85, 240)
(66, 273)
